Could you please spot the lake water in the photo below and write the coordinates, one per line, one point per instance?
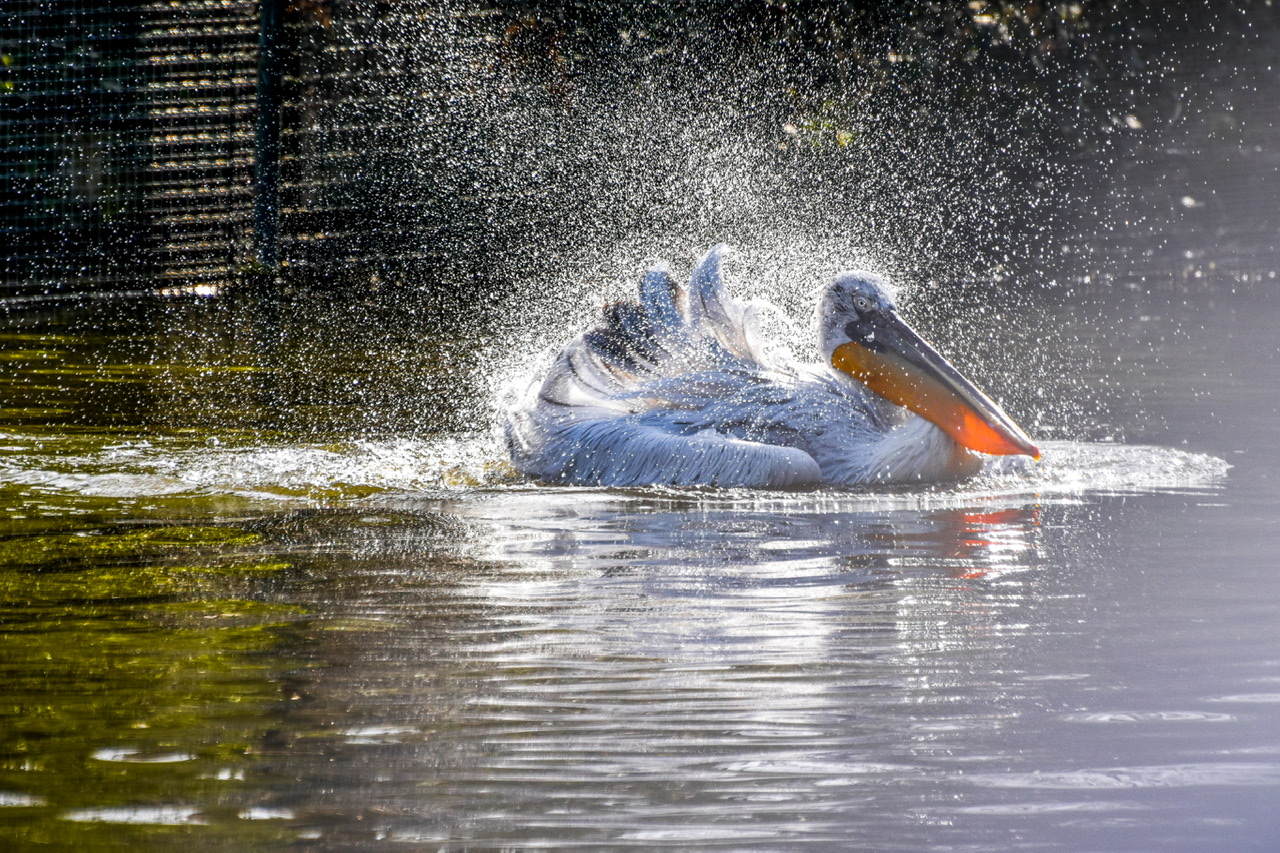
(265, 582)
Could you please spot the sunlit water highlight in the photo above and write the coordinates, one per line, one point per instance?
(456, 467)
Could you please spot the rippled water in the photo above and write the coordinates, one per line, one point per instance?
(258, 637)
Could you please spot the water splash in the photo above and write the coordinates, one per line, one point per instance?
(573, 153)
(475, 466)
(562, 175)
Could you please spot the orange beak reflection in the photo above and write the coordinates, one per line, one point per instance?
(892, 360)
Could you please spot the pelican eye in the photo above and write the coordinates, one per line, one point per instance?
(862, 303)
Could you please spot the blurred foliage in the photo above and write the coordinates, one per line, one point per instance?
(1084, 63)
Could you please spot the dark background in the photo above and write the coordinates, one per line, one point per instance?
(442, 145)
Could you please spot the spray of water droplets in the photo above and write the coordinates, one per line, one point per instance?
(546, 161)
(563, 153)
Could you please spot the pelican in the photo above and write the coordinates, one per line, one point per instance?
(678, 388)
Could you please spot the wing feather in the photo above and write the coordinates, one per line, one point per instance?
(674, 388)
(660, 300)
(630, 452)
(720, 318)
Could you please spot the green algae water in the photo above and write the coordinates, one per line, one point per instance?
(263, 584)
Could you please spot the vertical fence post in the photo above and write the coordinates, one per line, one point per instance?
(266, 174)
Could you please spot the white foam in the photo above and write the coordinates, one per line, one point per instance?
(464, 465)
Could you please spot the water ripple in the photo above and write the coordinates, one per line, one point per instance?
(137, 756)
(453, 465)
(1158, 776)
(145, 815)
(8, 799)
(1016, 809)
(1147, 717)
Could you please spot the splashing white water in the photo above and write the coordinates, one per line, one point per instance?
(476, 465)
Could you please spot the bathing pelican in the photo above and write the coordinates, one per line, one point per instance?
(678, 388)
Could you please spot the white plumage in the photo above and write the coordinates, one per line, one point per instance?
(678, 388)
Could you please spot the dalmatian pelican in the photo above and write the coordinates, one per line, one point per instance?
(679, 388)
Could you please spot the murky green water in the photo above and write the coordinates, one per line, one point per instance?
(265, 581)
(250, 598)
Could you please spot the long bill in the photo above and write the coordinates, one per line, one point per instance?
(891, 359)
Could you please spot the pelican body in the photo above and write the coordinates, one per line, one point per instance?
(678, 388)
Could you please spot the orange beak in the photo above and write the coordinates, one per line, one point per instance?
(892, 360)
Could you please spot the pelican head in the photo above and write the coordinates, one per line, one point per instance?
(862, 334)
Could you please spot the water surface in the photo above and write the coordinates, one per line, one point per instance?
(221, 626)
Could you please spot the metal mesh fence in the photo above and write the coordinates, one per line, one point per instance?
(129, 139)
(126, 140)
(354, 71)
